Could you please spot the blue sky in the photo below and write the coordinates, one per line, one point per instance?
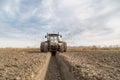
(24, 23)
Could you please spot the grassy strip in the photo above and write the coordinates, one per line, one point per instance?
(78, 49)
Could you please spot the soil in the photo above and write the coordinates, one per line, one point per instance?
(53, 72)
(83, 65)
(20, 65)
(94, 65)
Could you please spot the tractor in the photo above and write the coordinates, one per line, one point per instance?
(53, 44)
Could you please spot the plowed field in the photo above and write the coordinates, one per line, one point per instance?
(82, 65)
(94, 65)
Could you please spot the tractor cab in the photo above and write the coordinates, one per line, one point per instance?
(53, 37)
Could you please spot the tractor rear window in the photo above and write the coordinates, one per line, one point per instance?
(54, 38)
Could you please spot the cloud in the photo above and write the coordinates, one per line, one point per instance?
(88, 22)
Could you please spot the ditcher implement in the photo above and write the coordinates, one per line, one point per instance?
(53, 44)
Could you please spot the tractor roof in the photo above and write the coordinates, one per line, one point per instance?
(53, 34)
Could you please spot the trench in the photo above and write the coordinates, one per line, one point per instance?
(53, 71)
(57, 69)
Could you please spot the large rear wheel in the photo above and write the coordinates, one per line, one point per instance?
(44, 47)
(61, 48)
(65, 46)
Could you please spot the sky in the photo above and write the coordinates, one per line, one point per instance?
(24, 23)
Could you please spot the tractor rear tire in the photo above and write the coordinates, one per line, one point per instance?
(62, 48)
(44, 47)
(65, 46)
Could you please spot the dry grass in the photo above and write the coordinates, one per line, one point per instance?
(29, 50)
(69, 49)
(77, 49)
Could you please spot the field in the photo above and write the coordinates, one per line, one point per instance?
(30, 64)
(94, 65)
(20, 64)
